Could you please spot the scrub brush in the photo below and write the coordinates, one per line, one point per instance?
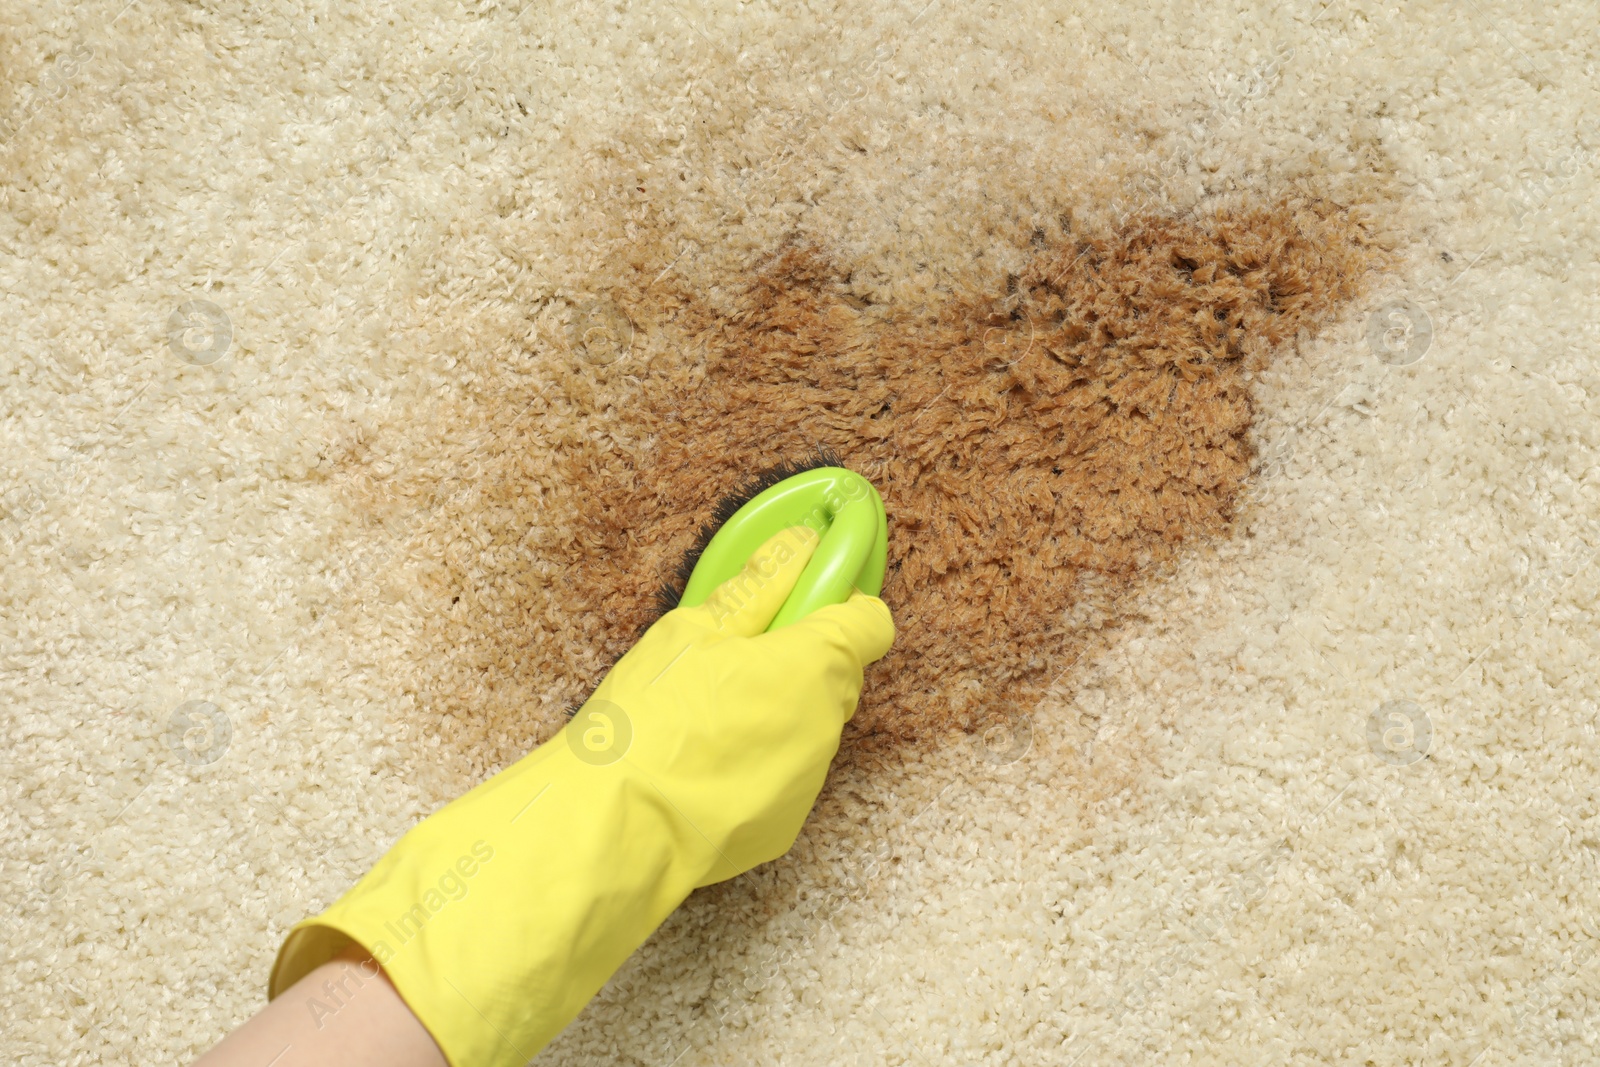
(839, 504)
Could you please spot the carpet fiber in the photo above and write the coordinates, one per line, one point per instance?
(1227, 373)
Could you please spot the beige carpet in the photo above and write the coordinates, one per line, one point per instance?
(1324, 791)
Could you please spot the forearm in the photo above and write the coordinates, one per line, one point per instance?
(342, 1014)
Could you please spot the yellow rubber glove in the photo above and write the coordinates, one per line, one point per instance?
(499, 916)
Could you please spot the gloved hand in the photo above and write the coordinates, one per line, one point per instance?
(499, 916)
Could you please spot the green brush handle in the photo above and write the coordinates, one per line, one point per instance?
(840, 505)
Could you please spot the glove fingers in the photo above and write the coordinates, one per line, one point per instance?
(862, 627)
(746, 604)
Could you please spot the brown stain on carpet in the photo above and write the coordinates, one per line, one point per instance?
(1079, 425)
(1041, 448)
